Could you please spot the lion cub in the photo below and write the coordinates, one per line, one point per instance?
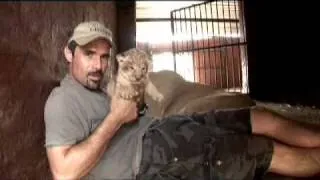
(131, 81)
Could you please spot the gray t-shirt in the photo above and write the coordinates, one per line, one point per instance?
(73, 112)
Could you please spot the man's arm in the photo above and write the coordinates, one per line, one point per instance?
(76, 161)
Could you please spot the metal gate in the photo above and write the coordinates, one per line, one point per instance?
(213, 34)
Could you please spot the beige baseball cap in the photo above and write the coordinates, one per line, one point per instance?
(86, 32)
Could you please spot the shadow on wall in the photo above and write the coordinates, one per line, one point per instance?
(24, 88)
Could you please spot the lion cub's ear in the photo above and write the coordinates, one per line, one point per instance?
(120, 58)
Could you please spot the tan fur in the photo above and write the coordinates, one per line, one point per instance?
(132, 81)
(215, 101)
(183, 97)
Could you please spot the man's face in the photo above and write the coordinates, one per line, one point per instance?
(90, 62)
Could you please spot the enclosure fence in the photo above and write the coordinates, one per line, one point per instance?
(213, 34)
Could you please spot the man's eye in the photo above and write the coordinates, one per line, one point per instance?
(89, 54)
(105, 58)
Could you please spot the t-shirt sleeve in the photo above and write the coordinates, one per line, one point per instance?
(62, 125)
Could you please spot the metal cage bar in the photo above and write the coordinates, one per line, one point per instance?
(214, 34)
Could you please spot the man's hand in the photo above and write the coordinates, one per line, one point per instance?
(123, 111)
(76, 161)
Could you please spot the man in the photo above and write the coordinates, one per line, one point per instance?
(90, 136)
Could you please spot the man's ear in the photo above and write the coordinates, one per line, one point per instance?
(68, 54)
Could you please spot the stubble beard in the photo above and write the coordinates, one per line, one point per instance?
(93, 85)
(102, 83)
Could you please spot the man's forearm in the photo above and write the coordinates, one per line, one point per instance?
(81, 158)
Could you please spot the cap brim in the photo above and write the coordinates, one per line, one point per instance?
(89, 38)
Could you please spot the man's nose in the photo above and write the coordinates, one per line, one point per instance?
(97, 63)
